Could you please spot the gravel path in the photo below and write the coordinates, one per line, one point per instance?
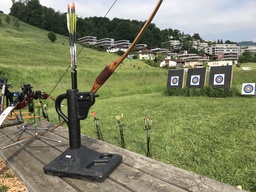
(8, 181)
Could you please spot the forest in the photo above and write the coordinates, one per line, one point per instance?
(33, 13)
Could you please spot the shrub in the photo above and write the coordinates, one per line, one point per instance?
(238, 65)
(52, 36)
(206, 91)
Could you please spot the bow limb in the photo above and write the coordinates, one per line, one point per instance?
(107, 72)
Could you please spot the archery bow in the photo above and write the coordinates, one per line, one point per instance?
(107, 72)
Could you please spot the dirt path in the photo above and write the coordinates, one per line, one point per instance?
(8, 181)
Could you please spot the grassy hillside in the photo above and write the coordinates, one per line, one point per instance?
(34, 58)
(214, 137)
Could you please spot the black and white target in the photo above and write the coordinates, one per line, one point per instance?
(219, 79)
(195, 80)
(174, 81)
(248, 89)
(175, 78)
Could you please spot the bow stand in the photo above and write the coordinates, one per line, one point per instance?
(79, 161)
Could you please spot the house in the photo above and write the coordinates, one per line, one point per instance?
(168, 63)
(146, 54)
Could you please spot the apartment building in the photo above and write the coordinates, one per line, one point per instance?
(175, 44)
(248, 48)
(92, 40)
(105, 42)
(199, 45)
(122, 43)
(224, 51)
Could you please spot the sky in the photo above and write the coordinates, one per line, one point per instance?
(233, 20)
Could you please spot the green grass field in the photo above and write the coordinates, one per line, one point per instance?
(214, 137)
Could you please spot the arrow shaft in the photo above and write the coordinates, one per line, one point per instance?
(71, 24)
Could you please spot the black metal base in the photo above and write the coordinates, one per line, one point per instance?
(83, 163)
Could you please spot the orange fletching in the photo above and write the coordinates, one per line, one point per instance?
(94, 114)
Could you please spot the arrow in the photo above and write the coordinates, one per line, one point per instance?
(71, 24)
(98, 130)
(148, 124)
(107, 72)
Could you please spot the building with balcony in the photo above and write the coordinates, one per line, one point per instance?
(122, 44)
(175, 44)
(92, 40)
(252, 49)
(217, 49)
(105, 42)
(199, 45)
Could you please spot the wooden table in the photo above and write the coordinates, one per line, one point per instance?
(135, 173)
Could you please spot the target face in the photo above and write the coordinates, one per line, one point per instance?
(195, 80)
(174, 81)
(219, 79)
(248, 89)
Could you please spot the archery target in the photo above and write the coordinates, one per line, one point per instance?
(174, 81)
(175, 78)
(195, 80)
(248, 89)
(219, 79)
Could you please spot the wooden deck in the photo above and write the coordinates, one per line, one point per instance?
(135, 173)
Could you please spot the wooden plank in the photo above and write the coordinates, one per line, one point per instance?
(136, 173)
(168, 173)
(148, 183)
(140, 181)
(130, 177)
(45, 151)
(178, 177)
(30, 171)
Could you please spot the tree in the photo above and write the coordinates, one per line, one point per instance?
(35, 10)
(196, 36)
(1, 23)
(52, 36)
(247, 56)
(230, 42)
(176, 34)
(20, 11)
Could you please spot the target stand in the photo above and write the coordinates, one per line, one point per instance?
(80, 161)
